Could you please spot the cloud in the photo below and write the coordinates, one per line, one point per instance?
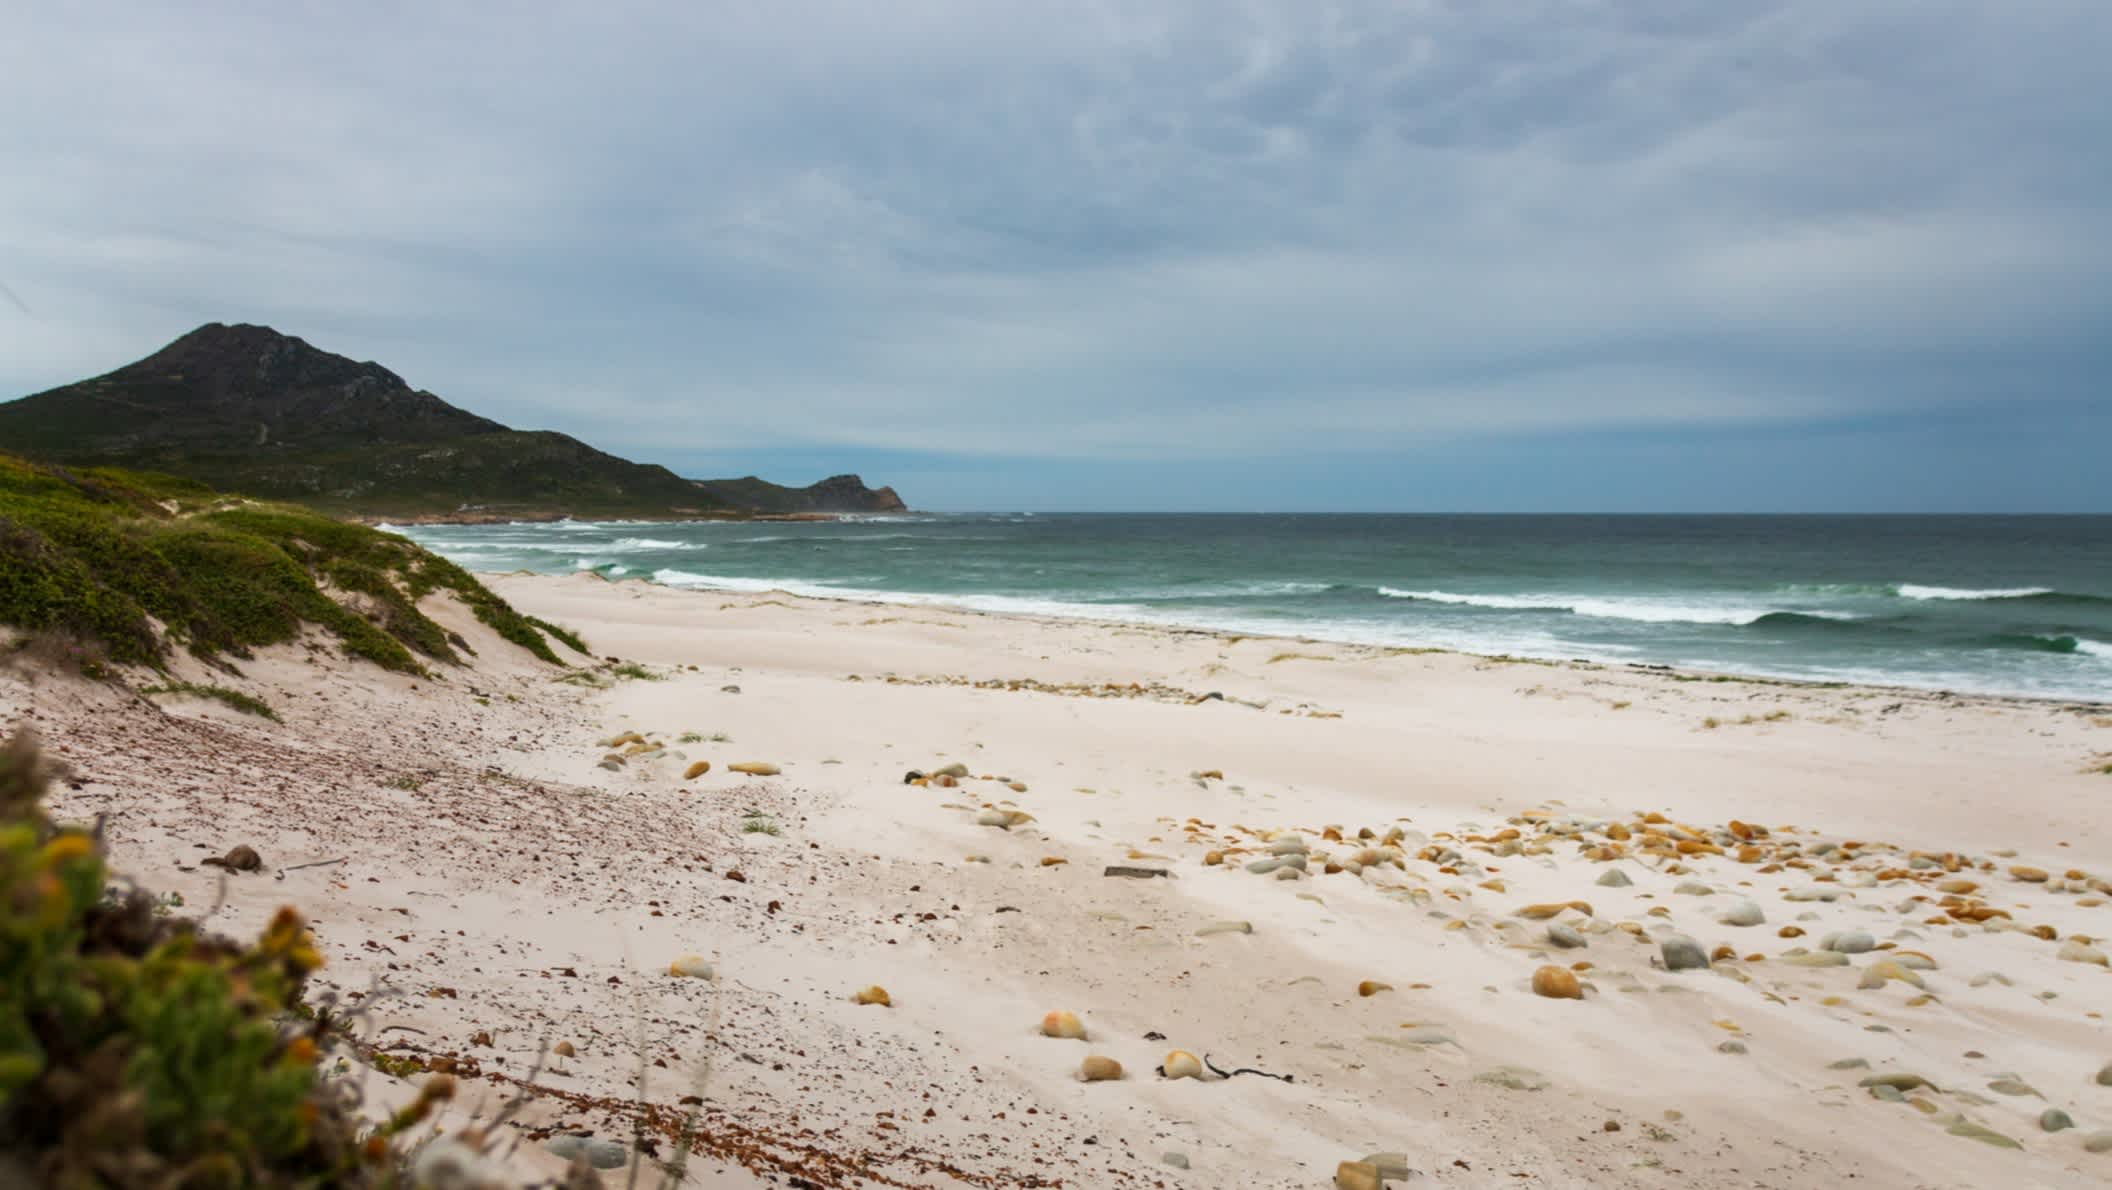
(1090, 232)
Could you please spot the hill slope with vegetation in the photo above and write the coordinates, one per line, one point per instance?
(135, 565)
(249, 409)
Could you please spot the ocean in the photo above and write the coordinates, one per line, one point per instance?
(1984, 604)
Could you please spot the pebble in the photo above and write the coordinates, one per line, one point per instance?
(1885, 970)
(2053, 1119)
(1262, 867)
(601, 1153)
(2013, 1086)
(1176, 1160)
(1888, 1094)
(447, 1161)
(1849, 1064)
(1565, 936)
(1731, 1047)
(1851, 942)
(1828, 895)
(1513, 1078)
(1181, 1064)
(1682, 953)
(1983, 1134)
(873, 995)
(1291, 845)
(1816, 958)
(1097, 1069)
(1357, 1175)
(1392, 1167)
(1063, 1024)
(1225, 927)
(2104, 1076)
(1614, 878)
(2076, 951)
(1557, 983)
(1744, 913)
(696, 770)
(1693, 888)
(691, 966)
(1898, 1082)
(754, 768)
(2098, 1142)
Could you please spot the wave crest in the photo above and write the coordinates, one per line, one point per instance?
(1913, 591)
(1643, 611)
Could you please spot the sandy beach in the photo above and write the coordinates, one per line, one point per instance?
(1896, 901)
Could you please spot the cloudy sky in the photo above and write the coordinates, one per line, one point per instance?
(1625, 255)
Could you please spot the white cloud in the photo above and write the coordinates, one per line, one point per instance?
(1111, 231)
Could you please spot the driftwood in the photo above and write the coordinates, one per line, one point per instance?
(1138, 873)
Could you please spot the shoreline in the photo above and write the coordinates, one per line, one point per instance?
(1671, 673)
(1369, 861)
(736, 516)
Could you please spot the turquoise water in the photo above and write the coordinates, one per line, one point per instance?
(2007, 605)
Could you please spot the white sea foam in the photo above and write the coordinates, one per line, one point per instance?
(2094, 648)
(1911, 591)
(1645, 611)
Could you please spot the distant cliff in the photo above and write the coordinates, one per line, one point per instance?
(248, 409)
(838, 493)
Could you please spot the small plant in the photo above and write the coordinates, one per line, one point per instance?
(690, 737)
(581, 677)
(407, 782)
(755, 822)
(1622, 705)
(137, 1051)
(1711, 723)
(635, 672)
(563, 636)
(248, 704)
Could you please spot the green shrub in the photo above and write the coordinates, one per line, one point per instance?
(136, 1051)
(104, 555)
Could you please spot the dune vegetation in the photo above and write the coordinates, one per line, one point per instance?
(132, 565)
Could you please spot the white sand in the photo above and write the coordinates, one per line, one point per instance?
(488, 854)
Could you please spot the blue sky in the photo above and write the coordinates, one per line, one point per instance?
(1633, 255)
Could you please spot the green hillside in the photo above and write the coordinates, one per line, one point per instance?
(135, 565)
(246, 408)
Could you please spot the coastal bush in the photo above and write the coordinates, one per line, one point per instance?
(562, 635)
(137, 1051)
(139, 562)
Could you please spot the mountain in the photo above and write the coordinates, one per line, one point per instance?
(248, 409)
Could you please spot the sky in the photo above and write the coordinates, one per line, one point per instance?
(1630, 255)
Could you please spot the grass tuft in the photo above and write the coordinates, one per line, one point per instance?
(248, 704)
